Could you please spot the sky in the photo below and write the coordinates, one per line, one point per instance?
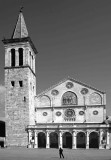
(73, 38)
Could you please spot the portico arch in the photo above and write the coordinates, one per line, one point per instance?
(81, 140)
(93, 140)
(41, 140)
(53, 140)
(67, 140)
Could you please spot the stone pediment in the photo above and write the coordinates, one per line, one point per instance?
(69, 84)
(70, 91)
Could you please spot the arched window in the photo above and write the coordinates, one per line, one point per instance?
(45, 101)
(20, 56)
(95, 98)
(12, 57)
(69, 98)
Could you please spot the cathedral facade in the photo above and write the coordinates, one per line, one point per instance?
(70, 114)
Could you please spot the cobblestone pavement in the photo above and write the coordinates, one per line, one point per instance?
(52, 154)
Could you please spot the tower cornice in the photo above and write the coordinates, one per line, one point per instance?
(17, 40)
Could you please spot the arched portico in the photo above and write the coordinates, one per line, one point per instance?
(81, 140)
(67, 140)
(93, 140)
(53, 140)
(41, 140)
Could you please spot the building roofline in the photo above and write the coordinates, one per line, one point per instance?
(71, 79)
(17, 40)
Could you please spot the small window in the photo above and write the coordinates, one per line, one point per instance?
(12, 83)
(21, 83)
(24, 99)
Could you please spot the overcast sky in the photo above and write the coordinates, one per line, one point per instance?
(73, 38)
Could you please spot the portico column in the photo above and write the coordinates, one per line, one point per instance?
(73, 140)
(60, 139)
(47, 139)
(29, 138)
(100, 139)
(35, 139)
(87, 140)
(107, 141)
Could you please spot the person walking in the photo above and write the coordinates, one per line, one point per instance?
(61, 153)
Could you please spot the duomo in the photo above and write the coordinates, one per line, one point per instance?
(70, 114)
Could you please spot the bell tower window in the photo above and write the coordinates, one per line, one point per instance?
(12, 57)
(20, 56)
(21, 83)
(12, 83)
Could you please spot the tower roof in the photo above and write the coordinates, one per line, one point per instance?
(20, 30)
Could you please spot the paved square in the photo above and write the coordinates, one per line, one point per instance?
(52, 154)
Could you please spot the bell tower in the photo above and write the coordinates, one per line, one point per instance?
(20, 84)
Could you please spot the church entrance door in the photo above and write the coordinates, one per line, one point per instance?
(41, 140)
(53, 140)
(81, 140)
(67, 140)
(93, 140)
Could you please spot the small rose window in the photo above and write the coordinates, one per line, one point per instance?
(95, 112)
(44, 113)
(69, 85)
(81, 112)
(69, 113)
(55, 92)
(58, 113)
(84, 91)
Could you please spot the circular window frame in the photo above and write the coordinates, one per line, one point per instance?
(55, 92)
(81, 113)
(58, 113)
(69, 85)
(69, 110)
(45, 113)
(84, 91)
(95, 112)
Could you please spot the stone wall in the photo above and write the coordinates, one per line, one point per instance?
(17, 106)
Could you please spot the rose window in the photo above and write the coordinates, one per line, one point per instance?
(69, 113)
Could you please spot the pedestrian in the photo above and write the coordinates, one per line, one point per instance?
(61, 153)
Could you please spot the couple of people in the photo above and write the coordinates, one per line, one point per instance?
(61, 153)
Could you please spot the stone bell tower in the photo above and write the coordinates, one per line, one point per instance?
(20, 84)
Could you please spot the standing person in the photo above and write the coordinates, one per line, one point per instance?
(61, 152)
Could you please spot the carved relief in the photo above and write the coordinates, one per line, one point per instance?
(69, 98)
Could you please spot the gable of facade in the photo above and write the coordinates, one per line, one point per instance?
(70, 101)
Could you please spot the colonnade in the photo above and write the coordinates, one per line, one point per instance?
(74, 138)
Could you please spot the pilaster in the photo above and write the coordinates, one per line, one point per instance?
(73, 140)
(100, 139)
(107, 141)
(35, 139)
(47, 139)
(60, 139)
(87, 140)
(29, 138)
